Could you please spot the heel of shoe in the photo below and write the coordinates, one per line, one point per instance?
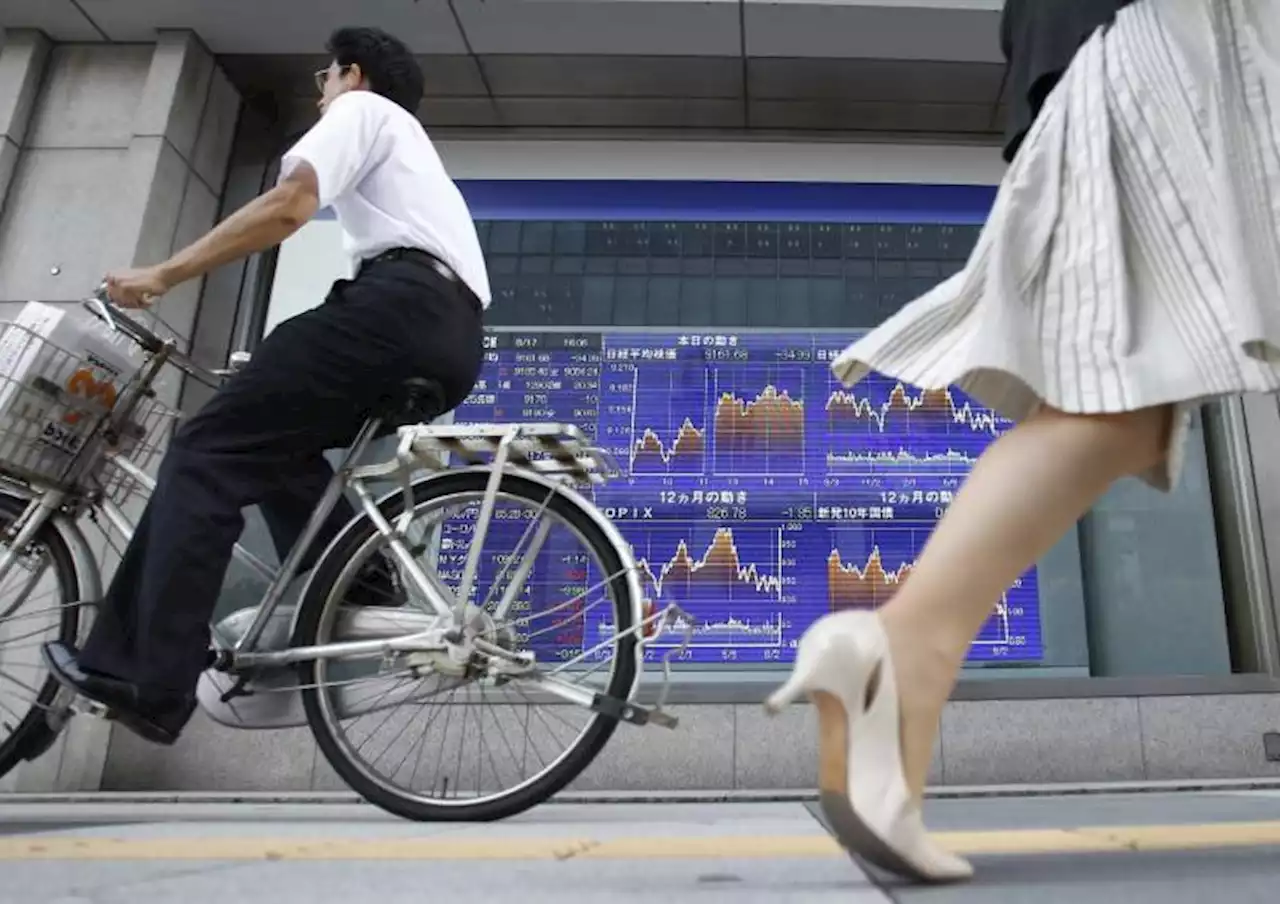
(826, 660)
(789, 692)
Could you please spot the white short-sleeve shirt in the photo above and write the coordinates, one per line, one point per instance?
(383, 178)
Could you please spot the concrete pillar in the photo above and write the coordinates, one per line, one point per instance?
(112, 155)
(124, 159)
(22, 61)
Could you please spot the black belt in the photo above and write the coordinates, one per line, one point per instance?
(426, 258)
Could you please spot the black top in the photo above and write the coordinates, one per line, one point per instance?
(1039, 39)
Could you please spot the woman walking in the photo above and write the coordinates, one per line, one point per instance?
(1129, 271)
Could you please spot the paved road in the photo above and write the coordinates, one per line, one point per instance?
(1170, 848)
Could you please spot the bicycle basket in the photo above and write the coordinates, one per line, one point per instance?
(150, 425)
(53, 400)
(142, 440)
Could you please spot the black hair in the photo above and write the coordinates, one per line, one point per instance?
(387, 64)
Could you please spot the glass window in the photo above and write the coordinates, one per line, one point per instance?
(771, 493)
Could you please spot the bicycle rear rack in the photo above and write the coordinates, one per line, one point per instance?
(550, 449)
(554, 450)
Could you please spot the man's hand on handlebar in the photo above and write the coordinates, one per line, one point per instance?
(137, 288)
(105, 308)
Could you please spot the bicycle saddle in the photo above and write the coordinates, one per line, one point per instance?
(420, 400)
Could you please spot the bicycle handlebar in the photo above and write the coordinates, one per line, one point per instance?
(101, 306)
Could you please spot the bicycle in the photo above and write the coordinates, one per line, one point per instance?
(326, 654)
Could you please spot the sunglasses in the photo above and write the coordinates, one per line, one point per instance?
(322, 76)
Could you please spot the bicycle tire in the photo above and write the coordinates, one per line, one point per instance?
(589, 743)
(32, 736)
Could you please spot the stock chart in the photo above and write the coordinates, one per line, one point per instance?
(760, 493)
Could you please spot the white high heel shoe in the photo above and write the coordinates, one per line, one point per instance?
(843, 665)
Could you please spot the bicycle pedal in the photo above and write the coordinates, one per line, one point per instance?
(664, 719)
(85, 707)
(632, 713)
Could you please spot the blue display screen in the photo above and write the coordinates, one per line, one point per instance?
(760, 493)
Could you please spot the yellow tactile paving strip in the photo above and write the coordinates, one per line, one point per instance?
(989, 843)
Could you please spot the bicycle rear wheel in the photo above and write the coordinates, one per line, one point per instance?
(38, 603)
(380, 728)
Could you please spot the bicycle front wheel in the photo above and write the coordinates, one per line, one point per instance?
(425, 743)
(39, 602)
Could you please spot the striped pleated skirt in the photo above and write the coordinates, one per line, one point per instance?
(1132, 258)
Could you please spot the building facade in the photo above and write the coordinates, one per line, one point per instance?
(652, 177)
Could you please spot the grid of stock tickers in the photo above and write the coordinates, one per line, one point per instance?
(758, 492)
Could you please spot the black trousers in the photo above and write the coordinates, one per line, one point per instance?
(261, 441)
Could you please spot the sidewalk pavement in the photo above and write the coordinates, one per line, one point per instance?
(1175, 847)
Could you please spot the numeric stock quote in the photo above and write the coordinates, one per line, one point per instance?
(759, 492)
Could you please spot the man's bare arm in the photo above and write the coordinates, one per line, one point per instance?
(263, 223)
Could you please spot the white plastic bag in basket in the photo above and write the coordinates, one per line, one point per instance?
(48, 345)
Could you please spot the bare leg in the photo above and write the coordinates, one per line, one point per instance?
(1027, 490)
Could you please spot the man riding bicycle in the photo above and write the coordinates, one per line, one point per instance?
(412, 307)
